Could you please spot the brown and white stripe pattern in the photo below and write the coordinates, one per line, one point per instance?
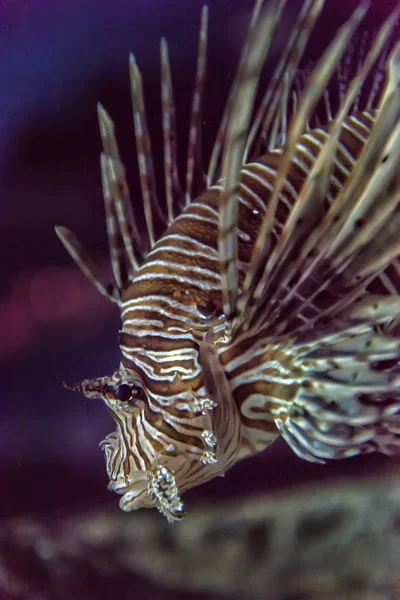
(255, 314)
(188, 262)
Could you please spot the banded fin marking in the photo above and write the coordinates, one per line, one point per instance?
(374, 308)
(261, 266)
(113, 171)
(215, 158)
(152, 209)
(245, 85)
(173, 190)
(344, 404)
(274, 104)
(124, 254)
(195, 176)
(115, 247)
(356, 252)
(312, 195)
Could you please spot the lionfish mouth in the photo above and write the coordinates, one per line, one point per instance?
(134, 495)
(156, 487)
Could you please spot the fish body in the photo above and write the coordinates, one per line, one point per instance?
(267, 307)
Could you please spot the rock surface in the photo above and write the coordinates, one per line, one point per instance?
(336, 541)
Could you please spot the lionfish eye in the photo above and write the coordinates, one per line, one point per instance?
(129, 393)
(123, 392)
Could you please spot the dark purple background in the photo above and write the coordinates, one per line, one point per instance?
(57, 59)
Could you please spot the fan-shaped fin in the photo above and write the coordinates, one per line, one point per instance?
(348, 240)
(347, 398)
(259, 274)
(313, 194)
(326, 110)
(306, 289)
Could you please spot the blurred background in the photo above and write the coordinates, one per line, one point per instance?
(61, 532)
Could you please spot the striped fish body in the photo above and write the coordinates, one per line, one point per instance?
(175, 299)
(268, 307)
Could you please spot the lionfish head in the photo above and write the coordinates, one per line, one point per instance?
(138, 474)
(147, 466)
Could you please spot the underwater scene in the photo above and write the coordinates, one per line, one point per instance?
(217, 336)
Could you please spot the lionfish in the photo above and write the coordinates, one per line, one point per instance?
(269, 305)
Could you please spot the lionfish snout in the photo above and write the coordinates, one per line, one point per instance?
(148, 471)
